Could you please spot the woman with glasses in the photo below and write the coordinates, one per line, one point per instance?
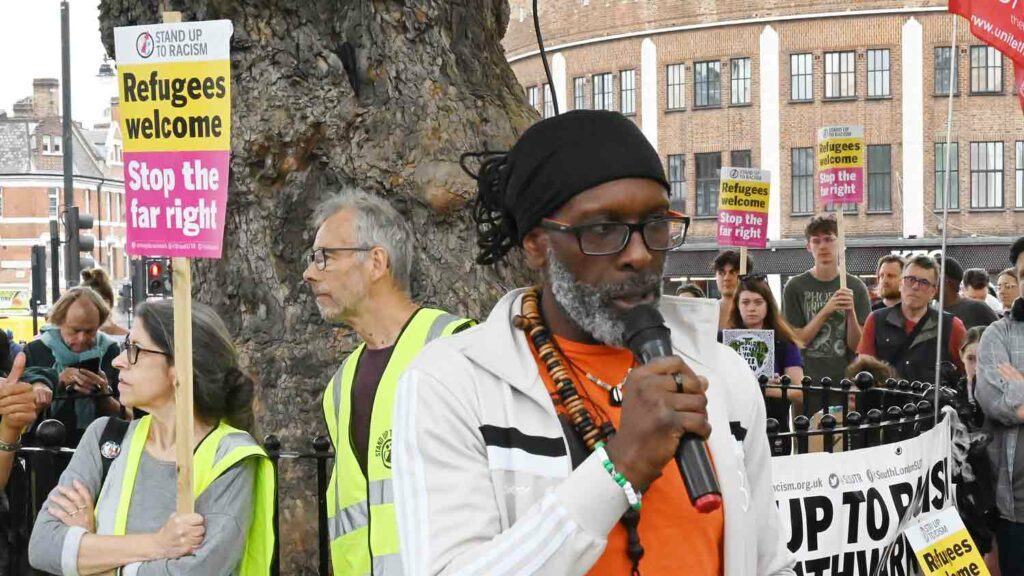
(754, 308)
(114, 507)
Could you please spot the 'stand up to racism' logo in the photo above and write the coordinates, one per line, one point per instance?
(383, 449)
(144, 45)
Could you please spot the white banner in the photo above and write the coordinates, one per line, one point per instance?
(840, 512)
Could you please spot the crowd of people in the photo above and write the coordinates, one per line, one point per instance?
(533, 442)
(824, 331)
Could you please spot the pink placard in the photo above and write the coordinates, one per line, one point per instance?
(742, 229)
(841, 185)
(175, 203)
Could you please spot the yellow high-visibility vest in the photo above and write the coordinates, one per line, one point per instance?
(235, 445)
(360, 510)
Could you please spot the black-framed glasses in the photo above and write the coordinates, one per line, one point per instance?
(753, 277)
(915, 282)
(133, 350)
(319, 255)
(660, 234)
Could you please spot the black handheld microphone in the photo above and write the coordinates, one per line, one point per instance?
(648, 338)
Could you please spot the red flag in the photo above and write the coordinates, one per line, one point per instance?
(1000, 24)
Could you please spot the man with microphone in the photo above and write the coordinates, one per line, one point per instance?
(539, 442)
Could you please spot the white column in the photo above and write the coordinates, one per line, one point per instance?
(768, 70)
(912, 190)
(558, 77)
(649, 73)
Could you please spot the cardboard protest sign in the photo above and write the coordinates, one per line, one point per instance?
(841, 155)
(944, 547)
(743, 207)
(841, 512)
(174, 82)
(757, 347)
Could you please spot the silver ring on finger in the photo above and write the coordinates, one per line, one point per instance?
(679, 382)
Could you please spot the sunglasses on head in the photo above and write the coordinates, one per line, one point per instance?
(753, 277)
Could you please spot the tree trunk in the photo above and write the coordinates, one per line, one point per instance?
(382, 95)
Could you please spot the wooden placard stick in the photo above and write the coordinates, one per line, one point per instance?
(841, 246)
(743, 260)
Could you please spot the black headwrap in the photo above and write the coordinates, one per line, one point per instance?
(554, 160)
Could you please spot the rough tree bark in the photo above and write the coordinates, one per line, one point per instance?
(383, 95)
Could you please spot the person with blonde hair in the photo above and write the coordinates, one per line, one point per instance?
(99, 280)
(73, 360)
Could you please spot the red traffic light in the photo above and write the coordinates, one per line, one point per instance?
(155, 269)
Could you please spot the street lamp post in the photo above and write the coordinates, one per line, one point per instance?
(70, 257)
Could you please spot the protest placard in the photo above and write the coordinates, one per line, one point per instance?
(943, 546)
(757, 347)
(743, 207)
(841, 164)
(845, 513)
(174, 82)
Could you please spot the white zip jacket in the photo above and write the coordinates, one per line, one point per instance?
(483, 479)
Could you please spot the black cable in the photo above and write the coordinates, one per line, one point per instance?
(544, 56)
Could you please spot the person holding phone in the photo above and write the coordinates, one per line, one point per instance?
(71, 364)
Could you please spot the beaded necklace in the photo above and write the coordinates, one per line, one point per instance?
(531, 322)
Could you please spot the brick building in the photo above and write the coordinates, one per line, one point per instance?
(32, 184)
(733, 82)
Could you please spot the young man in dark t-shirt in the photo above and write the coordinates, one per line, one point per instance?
(825, 317)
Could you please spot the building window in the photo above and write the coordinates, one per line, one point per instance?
(709, 169)
(533, 97)
(739, 68)
(627, 91)
(677, 181)
(986, 70)
(676, 95)
(954, 175)
(1019, 165)
(51, 145)
(579, 93)
(840, 75)
(801, 77)
(880, 178)
(878, 73)
(88, 201)
(707, 84)
(549, 102)
(802, 180)
(986, 174)
(54, 202)
(603, 92)
(942, 64)
(740, 159)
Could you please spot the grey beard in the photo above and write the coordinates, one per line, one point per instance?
(590, 307)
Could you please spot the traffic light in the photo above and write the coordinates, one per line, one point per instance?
(38, 276)
(158, 277)
(78, 242)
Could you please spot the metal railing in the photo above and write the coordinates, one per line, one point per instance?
(857, 413)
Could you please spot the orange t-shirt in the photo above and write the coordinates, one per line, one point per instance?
(676, 538)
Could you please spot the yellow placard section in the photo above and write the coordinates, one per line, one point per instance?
(175, 106)
(841, 153)
(954, 555)
(746, 195)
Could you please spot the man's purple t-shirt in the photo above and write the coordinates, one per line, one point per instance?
(372, 364)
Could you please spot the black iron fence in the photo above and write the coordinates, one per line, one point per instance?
(844, 416)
